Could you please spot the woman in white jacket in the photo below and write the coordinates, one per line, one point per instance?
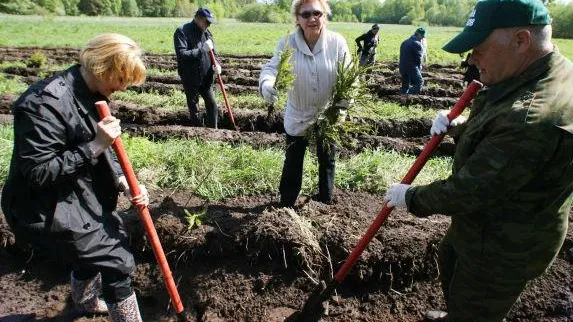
(316, 53)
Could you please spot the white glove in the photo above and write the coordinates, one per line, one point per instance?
(140, 200)
(341, 116)
(207, 46)
(441, 122)
(396, 195)
(269, 93)
(217, 69)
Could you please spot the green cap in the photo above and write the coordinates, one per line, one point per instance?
(488, 15)
(421, 31)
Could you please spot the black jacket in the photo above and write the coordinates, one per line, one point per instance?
(193, 65)
(55, 184)
(370, 42)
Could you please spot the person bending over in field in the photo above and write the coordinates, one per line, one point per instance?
(64, 179)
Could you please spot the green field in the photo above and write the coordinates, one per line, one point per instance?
(231, 37)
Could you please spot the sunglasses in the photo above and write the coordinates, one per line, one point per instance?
(308, 14)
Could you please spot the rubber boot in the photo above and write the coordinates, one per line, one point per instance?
(126, 310)
(86, 295)
(435, 316)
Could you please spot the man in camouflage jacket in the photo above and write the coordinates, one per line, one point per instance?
(510, 191)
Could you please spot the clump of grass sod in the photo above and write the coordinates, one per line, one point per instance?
(285, 77)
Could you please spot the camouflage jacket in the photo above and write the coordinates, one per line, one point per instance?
(511, 185)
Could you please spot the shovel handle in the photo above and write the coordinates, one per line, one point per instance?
(220, 81)
(144, 216)
(469, 94)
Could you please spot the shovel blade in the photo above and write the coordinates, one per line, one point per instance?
(314, 306)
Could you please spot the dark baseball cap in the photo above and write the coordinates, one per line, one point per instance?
(375, 26)
(204, 12)
(421, 31)
(488, 15)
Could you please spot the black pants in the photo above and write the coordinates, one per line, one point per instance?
(102, 249)
(291, 179)
(206, 91)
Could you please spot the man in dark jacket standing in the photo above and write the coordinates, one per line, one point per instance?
(511, 188)
(193, 42)
(410, 66)
(62, 188)
(370, 40)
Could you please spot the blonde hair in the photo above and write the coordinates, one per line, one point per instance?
(114, 58)
(296, 4)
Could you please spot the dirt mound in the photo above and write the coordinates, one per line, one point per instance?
(251, 261)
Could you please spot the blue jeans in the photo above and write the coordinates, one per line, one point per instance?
(412, 80)
(367, 59)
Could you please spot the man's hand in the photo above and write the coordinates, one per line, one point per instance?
(140, 200)
(108, 129)
(441, 122)
(269, 93)
(343, 104)
(396, 195)
(207, 46)
(217, 69)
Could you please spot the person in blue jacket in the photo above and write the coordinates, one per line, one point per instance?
(410, 66)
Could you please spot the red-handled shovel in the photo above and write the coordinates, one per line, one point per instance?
(144, 215)
(313, 309)
(220, 81)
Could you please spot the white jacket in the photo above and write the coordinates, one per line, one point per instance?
(315, 76)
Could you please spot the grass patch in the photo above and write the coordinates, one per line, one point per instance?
(375, 170)
(243, 101)
(216, 170)
(6, 144)
(213, 170)
(389, 110)
(156, 34)
(161, 72)
(175, 100)
(11, 85)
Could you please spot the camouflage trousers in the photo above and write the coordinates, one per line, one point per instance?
(475, 293)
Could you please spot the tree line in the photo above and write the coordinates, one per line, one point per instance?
(417, 12)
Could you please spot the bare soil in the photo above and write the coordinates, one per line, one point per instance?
(252, 261)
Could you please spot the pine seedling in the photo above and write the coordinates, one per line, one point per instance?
(285, 77)
(349, 86)
(196, 219)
